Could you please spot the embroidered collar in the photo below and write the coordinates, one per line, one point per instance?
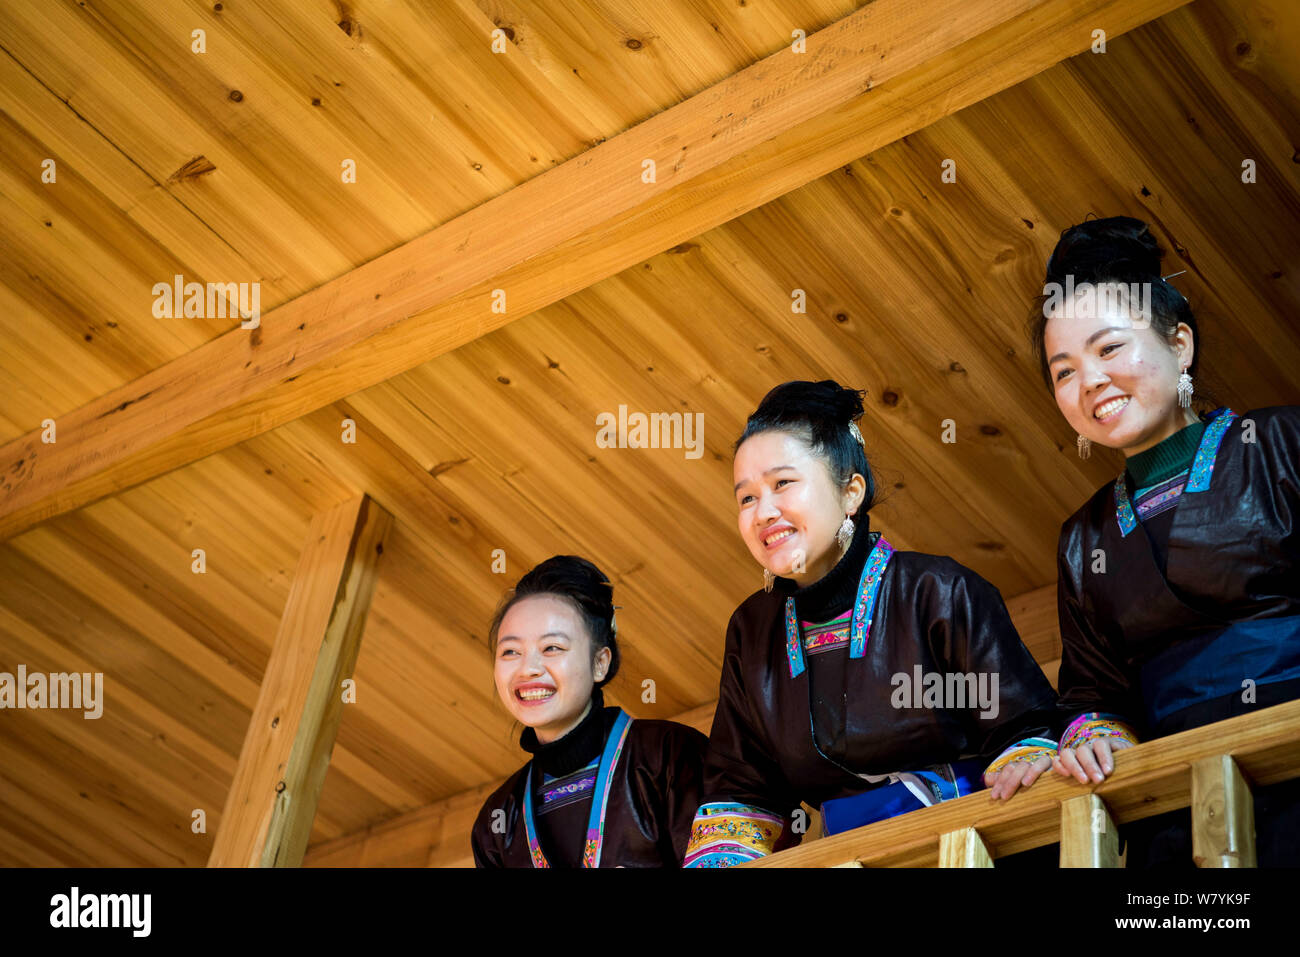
(599, 799)
(863, 610)
(1198, 479)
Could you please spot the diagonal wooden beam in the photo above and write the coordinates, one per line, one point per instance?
(884, 71)
(272, 801)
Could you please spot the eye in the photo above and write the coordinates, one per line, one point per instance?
(556, 647)
(1109, 346)
(507, 653)
(779, 481)
(745, 498)
(1062, 373)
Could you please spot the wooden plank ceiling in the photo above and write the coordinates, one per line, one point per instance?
(217, 165)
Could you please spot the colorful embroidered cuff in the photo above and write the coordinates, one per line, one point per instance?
(724, 835)
(1096, 724)
(1026, 749)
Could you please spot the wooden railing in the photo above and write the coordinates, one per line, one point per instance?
(1210, 769)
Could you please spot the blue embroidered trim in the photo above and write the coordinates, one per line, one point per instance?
(1203, 464)
(863, 610)
(1197, 481)
(1123, 507)
(596, 819)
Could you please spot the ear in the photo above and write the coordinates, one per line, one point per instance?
(600, 667)
(855, 492)
(1184, 345)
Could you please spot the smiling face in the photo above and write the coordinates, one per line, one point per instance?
(1116, 379)
(788, 505)
(544, 667)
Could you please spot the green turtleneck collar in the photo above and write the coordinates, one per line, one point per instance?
(1167, 458)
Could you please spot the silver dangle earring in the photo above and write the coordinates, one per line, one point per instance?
(1085, 446)
(768, 580)
(1185, 390)
(844, 535)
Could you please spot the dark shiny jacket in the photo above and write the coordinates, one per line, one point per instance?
(1233, 556)
(654, 793)
(930, 611)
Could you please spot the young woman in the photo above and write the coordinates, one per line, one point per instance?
(863, 679)
(1179, 588)
(601, 789)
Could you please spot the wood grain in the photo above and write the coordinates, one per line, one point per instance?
(269, 813)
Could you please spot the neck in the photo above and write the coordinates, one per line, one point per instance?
(1180, 420)
(819, 569)
(553, 732)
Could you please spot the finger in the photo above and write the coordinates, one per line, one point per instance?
(1101, 751)
(1011, 778)
(1071, 762)
(1035, 769)
(994, 781)
(1088, 762)
(999, 783)
(1004, 778)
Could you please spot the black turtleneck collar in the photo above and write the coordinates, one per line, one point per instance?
(835, 591)
(576, 749)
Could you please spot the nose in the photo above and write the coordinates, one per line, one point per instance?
(1092, 375)
(766, 511)
(532, 664)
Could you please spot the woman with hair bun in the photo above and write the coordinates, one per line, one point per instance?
(601, 790)
(862, 679)
(1179, 593)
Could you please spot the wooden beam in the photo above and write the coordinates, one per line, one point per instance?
(272, 801)
(1223, 814)
(963, 848)
(886, 70)
(1089, 837)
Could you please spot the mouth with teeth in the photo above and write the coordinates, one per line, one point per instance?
(776, 536)
(1107, 411)
(534, 694)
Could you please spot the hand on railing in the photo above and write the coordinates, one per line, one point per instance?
(1092, 759)
(1002, 784)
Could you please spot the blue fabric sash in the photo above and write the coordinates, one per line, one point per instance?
(951, 781)
(1212, 666)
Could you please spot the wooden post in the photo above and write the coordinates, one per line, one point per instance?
(272, 802)
(1088, 834)
(1223, 814)
(963, 848)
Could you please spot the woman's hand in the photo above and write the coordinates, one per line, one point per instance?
(1015, 775)
(1091, 761)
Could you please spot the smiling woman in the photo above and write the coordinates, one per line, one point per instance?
(807, 709)
(1179, 596)
(601, 789)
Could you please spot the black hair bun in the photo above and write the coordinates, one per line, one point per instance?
(1115, 249)
(825, 403)
(574, 577)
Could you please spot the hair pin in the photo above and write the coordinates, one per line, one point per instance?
(1172, 275)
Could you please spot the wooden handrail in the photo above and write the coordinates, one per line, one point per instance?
(1148, 779)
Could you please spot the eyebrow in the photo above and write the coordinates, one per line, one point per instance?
(549, 634)
(774, 468)
(1091, 339)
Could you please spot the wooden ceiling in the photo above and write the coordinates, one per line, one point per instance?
(225, 165)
